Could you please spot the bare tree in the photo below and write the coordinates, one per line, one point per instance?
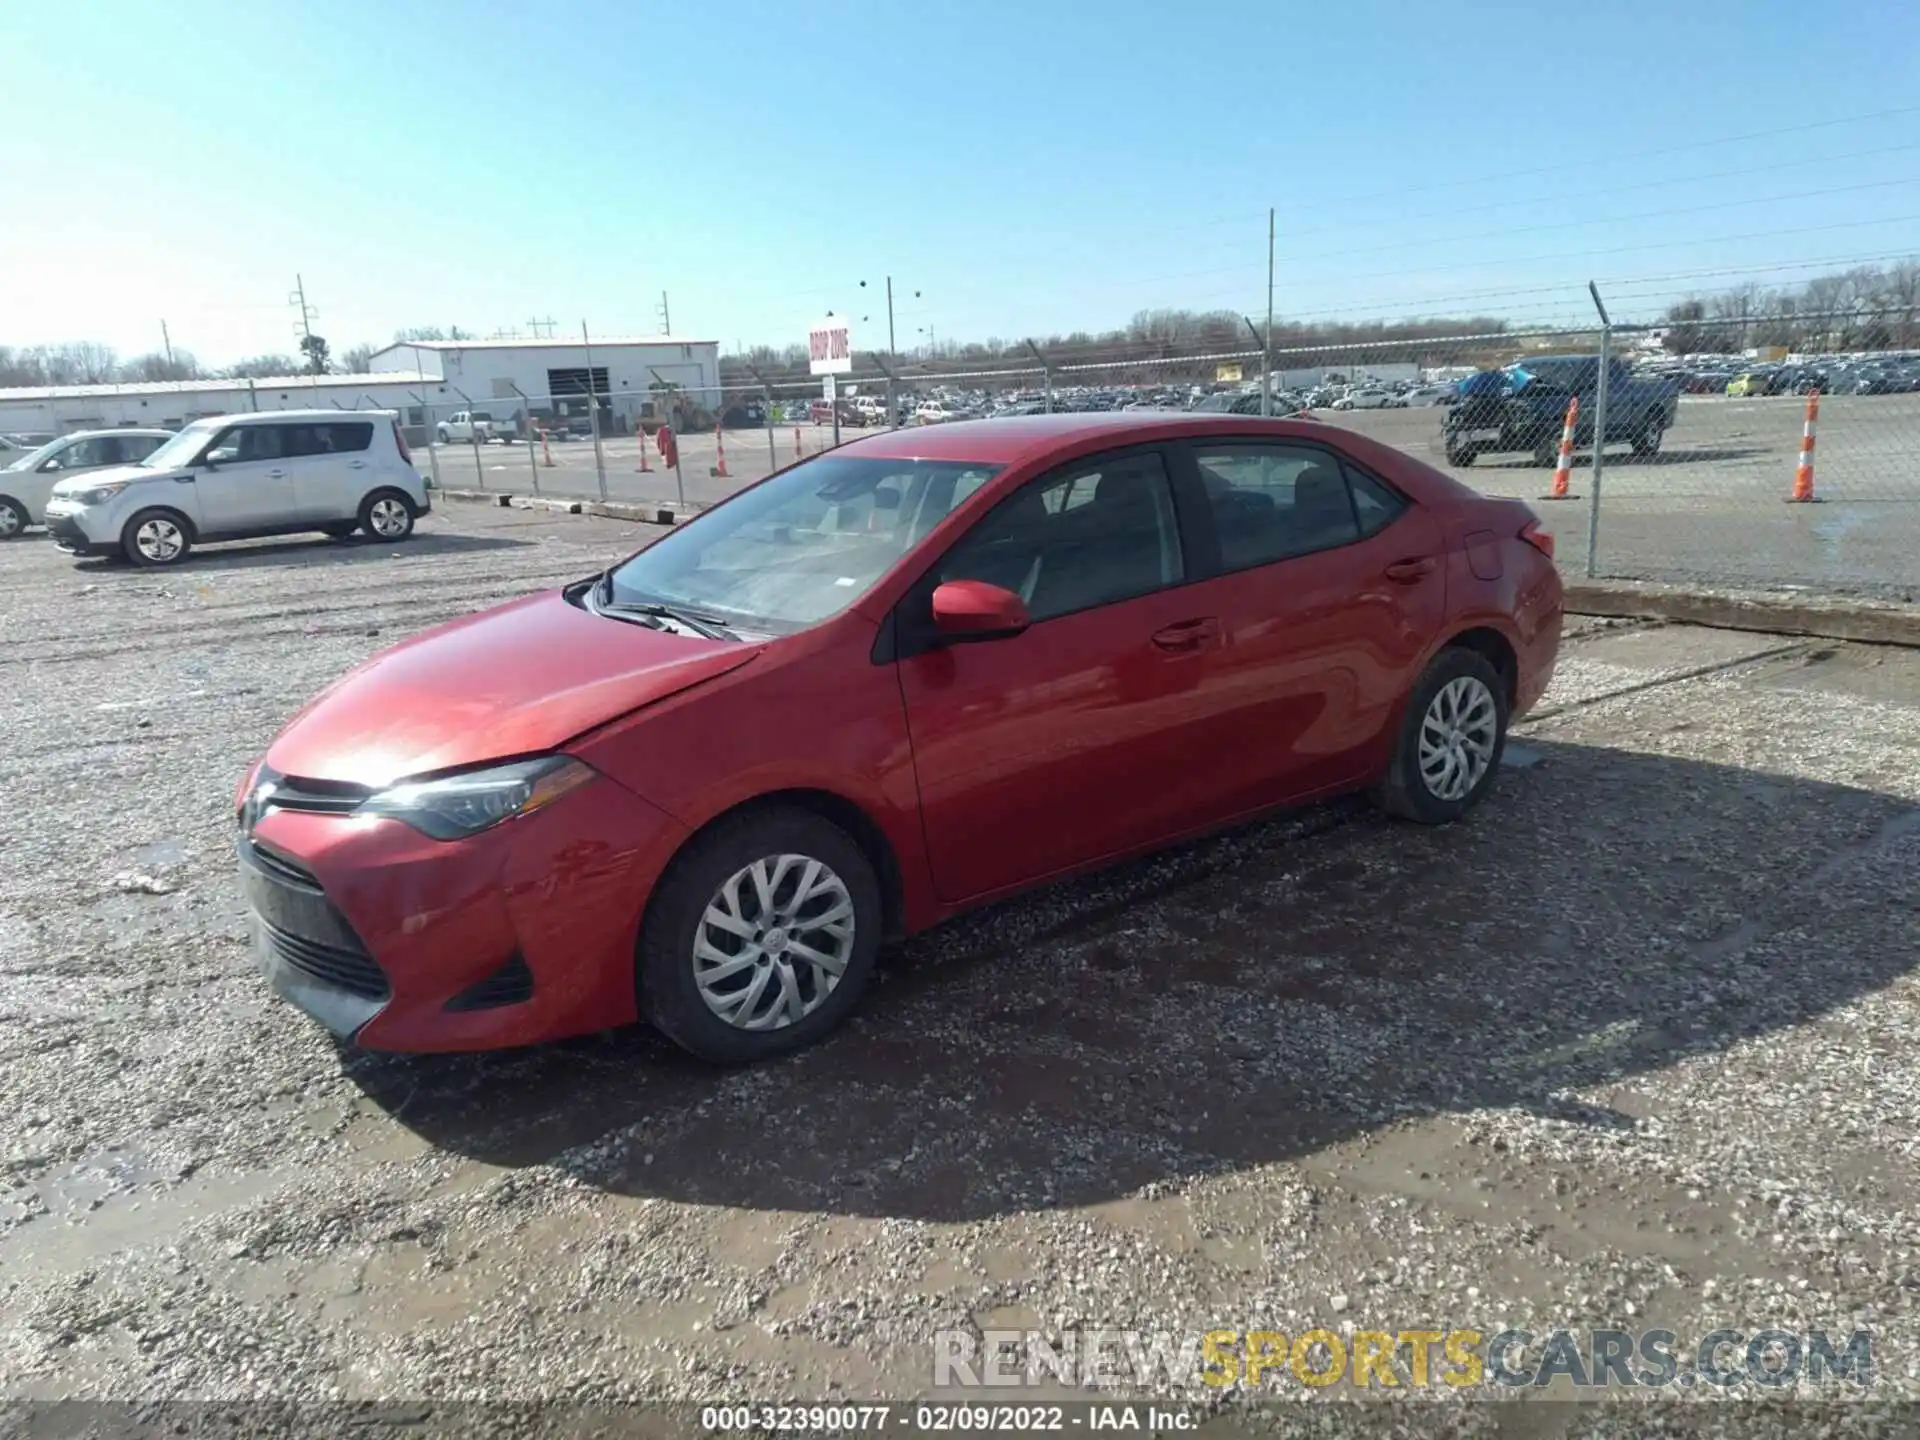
(356, 360)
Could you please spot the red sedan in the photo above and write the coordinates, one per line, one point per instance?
(895, 680)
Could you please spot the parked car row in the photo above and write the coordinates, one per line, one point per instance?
(151, 496)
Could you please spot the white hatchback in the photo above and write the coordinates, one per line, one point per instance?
(237, 477)
(28, 479)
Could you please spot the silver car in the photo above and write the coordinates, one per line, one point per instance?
(236, 477)
(27, 480)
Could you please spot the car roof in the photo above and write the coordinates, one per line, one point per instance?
(1013, 438)
(140, 430)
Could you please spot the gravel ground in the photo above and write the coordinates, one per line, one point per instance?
(1633, 1046)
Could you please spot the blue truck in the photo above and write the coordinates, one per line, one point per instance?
(1525, 409)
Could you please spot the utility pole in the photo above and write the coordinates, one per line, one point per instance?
(307, 317)
(666, 315)
(542, 329)
(1266, 354)
(167, 341)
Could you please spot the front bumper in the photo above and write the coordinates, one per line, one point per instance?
(72, 531)
(520, 934)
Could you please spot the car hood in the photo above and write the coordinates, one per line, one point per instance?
(88, 479)
(515, 680)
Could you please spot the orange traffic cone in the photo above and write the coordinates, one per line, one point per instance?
(720, 449)
(640, 434)
(797, 451)
(546, 447)
(1803, 473)
(1563, 471)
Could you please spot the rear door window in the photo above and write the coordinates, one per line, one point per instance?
(1275, 501)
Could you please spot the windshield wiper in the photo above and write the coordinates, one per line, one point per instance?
(709, 626)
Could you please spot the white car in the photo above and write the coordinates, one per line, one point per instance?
(1367, 400)
(28, 480)
(236, 477)
(932, 414)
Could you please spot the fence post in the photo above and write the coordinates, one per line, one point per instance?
(433, 453)
(1046, 375)
(593, 414)
(1266, 384)
(1599, 430)
(766, 401)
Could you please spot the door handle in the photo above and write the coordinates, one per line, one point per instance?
(276, 474)
(1188, 635)
(1408, 572)
(356, 464)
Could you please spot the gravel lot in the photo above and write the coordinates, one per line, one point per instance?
(1635, 1045)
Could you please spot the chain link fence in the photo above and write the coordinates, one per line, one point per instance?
(1696, 482)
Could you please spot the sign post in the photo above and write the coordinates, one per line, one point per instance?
(830, 353)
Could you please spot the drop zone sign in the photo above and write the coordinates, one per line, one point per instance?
(830, 348)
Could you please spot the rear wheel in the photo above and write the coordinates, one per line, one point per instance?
(1460, 454)
(387, 515)
(1451, 740)
(13, 517)
(1647, 443)
(761, 937)
(156, 537)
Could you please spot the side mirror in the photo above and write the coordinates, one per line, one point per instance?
(967, 610)
(50, 466)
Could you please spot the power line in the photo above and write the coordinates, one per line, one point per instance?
(1611, 220)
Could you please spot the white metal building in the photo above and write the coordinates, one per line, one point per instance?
(551, 378)
(59, 409)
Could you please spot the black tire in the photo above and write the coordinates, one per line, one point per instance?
(1646, 444)
(381, 521)
(1546, 449)
(340, 530)
(13, 518)
(1404, 790)
(168, 543)
(1461, 455)
(664, 984)
(441, 432)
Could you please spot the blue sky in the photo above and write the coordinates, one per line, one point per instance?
(1027, 167)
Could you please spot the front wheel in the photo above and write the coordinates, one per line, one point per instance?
(387, 515)
(760, 938)
(13, 517)
(442, 433)
(156, 537)
(1461, 455)
(1451, 740)
(1647, 443)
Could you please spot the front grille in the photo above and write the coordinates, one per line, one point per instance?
(319, 797)
(347, 970)
(283, 868)
(511, 984)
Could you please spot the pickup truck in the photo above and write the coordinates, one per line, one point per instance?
(464, 427)
(1528, 410)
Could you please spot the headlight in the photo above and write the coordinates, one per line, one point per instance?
(462, 805)
(95, 494)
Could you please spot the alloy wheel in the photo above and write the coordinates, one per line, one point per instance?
(159, 539)
(1457, 738)
(388, 517)
(9, 522)
(773, 942)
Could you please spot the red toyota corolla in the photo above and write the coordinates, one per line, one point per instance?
(895, 680)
